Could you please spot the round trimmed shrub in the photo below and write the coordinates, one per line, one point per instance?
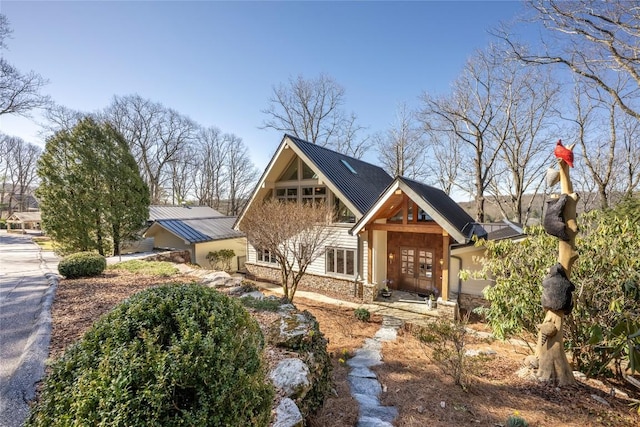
(82, 264)
(172, 355)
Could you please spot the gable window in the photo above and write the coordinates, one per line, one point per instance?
(343, 213)
(287, 194)
(314, 194)
(264, 255)
(341, 261)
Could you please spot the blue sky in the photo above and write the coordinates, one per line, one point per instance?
(217, 62)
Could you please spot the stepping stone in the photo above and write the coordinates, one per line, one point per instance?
(367, 386)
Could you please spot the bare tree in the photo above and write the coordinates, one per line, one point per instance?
(241, 174)
(401, 147)
(530, 96)
(598, 41)
(18, 165)
(294, 234)
(445, 158)
(210, 171)
(156, 135)
(474, 115)
(19, 92)
(311, 109)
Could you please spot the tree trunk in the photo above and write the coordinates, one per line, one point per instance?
(552, 360)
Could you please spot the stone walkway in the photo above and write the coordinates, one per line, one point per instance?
(364, 384)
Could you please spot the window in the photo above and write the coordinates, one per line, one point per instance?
(314, 194)
(264, 255)
(287, 194)
(343, 214)
(341, 261)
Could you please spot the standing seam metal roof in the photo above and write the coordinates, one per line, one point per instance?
(362, 188)
(202, 230)
(447, 207)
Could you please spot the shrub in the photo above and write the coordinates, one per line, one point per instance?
(221, 259)
(172, 355)
(362, 314)
(516, 421)
(447, 341)
(82, 264)
(265, 304)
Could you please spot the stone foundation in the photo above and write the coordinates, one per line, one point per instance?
(469, 302)
(348, 288)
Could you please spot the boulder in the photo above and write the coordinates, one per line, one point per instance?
(288, 414)
(291, 376)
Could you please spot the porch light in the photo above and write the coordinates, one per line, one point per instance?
(391, 255)
(441, 262)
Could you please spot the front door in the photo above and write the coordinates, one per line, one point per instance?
(416, 267)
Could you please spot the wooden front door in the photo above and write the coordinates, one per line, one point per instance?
(416, 268)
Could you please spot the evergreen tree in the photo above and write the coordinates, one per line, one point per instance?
(91, 194)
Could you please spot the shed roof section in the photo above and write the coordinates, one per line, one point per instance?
(360, 182)
(198, 230)
(181, 212)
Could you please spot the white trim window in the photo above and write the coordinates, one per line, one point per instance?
(341, 261)
(264, 255)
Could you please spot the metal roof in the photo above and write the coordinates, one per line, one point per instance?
(181, 212)
(447, 208)
(359, 181)
(200, 230)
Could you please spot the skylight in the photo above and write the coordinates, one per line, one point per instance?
(348, 166)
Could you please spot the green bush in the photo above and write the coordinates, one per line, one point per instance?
(172, 355)
(362, 314)
(516, 421)
(82, 264)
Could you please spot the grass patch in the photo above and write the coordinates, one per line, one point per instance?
(44, 242)
(149, 268)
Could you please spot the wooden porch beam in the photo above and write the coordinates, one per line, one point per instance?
(369, 255)
(409, 228)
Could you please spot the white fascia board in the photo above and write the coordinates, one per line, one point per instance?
(283, 144)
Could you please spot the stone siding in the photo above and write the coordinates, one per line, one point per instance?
(348, 288)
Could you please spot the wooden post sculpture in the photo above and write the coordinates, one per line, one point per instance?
(560, 221)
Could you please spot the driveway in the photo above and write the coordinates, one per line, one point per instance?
(27, 285)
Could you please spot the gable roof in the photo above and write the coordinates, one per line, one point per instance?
(198, 230)
(436, 203)
(355, 182)
(157, 212)
(358, 181)
(25, 217)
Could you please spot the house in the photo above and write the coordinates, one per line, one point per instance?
(388, 230)
(197, 229)
(18, 222)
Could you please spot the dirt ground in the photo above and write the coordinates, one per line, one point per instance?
(423, 394)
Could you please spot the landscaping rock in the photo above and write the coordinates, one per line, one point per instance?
(291, 376)
(288, 414)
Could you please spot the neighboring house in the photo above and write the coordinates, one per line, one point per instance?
(387, 229)
(198, 229)
(18, 222)
(14, 198)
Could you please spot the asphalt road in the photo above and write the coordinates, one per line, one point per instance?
(27, 285)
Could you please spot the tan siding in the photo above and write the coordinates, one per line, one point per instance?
(238, 245)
